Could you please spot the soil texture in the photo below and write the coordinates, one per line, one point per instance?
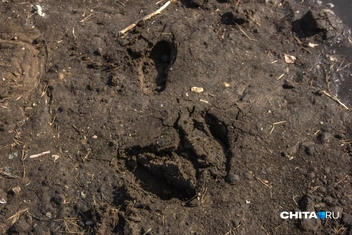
(212, 117)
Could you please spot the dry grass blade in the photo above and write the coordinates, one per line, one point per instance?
(145, 18)
(87, 18)
(341, 68)
(335, 99)
(245, 34)
(16, 216)
(266, 184)
(8, 175)
(348, 141)
(273, 126)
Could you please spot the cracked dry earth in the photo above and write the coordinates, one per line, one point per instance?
(193, 122)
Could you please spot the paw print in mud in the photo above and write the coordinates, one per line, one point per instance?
(179, 163)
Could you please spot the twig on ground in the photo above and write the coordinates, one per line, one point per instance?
(280, 76)
(344, 178)
(338, 69)
(266, 184)
(335, 99)
(204, 101)
(86, 156)
(273, 126)
(73, 33)
(39, 154)
(145, 18)
(294, 199)
(87, 17)
(120, 3)
(148, 231)
(23, 158)
(244, 32)
(265, 230)
(300, 43)
(341, 68)
(16, 216)
(74, 225)
(8, 175)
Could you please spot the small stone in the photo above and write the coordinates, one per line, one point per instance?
(232, 178)
(269, 170)
(310, 150)
(48, 214)
(248, 176)
(89, 223)
(226, 84)
(322, 189)
(83, 195)
(197, 89)
(311, 175)
(302, 171)
(236, 223)
(327, 170)
(135, 218)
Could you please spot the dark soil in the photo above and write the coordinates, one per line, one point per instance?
(135, 150)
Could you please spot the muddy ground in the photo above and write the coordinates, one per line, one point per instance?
(210, 118)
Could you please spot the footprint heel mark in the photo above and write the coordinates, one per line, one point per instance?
(219, 131)
(164, 55)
